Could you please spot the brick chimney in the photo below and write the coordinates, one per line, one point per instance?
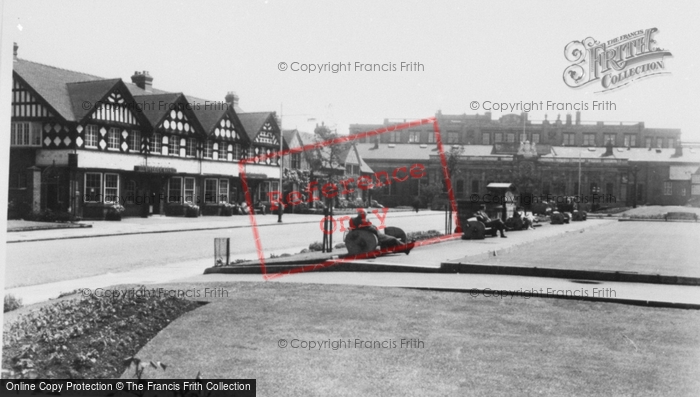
(679, 150)
(143, 80)
(231, 98)
(14, 51)
(578, 117)
(568, 119)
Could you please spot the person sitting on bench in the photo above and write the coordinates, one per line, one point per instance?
(495, 224)
(527, 220)
(385, 241)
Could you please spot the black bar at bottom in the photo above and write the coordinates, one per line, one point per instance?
(129, 387)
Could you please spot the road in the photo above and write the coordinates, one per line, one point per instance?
(32, 263)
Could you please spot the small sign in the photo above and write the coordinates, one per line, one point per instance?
(154, 170)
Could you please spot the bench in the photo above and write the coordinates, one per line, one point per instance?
(362, 241)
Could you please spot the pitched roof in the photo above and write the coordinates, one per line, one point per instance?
(208, 113)
(151, 105)
(88, 92)
(51, 83)
(253, 122)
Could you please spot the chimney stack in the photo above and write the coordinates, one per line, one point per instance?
(143, 80)
(568, 119)
(578, 117)
(679, 150)
(14, 51)
(231, 98)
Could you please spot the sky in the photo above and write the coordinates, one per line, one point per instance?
(496, 51)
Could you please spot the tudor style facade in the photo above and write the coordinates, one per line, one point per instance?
(80, 144)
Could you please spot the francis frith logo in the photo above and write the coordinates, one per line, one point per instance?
(615, 63)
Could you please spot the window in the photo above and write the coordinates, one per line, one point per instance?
(588, 139)
(210, 190)
(485, 138)
(452, 137)
(475, 186)
(431, 137)
(222, 151)
(113, 139)
(111, 188)
(569, 140)
(296, 160)
(647, 142)
(174, 145)
(630, 140)
(683, 191)
(229, 155)
(91, 136)
(156, 143)
(659, 142)
(394, 137)
(523, 137)
(208, 149)
(189, 190)
(175, 189)
(135, 141)
(223, 190)
(498, 137)
(535, 137)
(510, 137)
(93, 187)
(130, 192)
(25, 134)
(668, 189)
(460, 188)
(191, 147)
(671, 142)
(610, 138)
(236, 151)
(413, 137)
(18, 181)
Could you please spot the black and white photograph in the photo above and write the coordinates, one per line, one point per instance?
(362, 198)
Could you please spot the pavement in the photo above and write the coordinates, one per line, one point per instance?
(21, 231)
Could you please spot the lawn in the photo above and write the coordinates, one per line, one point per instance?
(667, 248)
(470, 346)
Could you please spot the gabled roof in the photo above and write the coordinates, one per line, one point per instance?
(253, 122)
(150, 105)
(51, 83)
(88, 92)
(208, 113)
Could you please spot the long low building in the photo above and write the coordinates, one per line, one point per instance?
(616, 175)
(81, 143)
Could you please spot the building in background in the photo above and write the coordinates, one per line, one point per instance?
(626, 162)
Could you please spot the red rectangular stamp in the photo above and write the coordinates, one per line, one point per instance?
(329, 189)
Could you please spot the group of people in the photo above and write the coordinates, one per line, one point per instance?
(519, 214)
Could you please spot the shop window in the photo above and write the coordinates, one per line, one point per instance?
(189, 190)
(130, 192)
(175, 189)
(93, 187)
(111, 188)
(223, 191)
(210, 190)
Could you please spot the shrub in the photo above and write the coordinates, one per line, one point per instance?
(11, 303)
(316, 246)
